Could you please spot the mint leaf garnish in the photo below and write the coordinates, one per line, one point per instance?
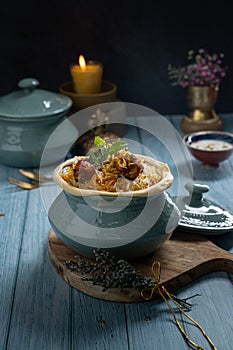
(98, 141)
(104, 150)
(116, 146)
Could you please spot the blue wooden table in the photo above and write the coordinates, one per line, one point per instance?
(38, 310)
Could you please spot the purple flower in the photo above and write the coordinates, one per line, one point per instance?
(204, 69)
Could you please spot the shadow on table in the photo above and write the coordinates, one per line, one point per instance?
(224, 241)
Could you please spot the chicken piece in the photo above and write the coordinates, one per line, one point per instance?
(83, 171)
(132, 171)
(129, 167)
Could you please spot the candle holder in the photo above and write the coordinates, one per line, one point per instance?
(107, 93)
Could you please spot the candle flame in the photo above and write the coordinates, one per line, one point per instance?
(82, 62)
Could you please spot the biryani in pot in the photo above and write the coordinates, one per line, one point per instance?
(112, 168)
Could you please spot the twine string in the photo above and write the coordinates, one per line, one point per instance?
(158, 287)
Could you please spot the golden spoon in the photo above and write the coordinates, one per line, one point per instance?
(22, 184)
(35, 176)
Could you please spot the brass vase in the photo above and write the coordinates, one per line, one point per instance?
(201, 101)
(201, 114)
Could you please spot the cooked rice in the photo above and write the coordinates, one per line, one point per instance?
(113, 175)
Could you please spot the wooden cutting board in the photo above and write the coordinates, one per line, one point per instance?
(183, 259)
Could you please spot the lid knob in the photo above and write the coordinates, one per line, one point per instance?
(28, 84)
(196, 192)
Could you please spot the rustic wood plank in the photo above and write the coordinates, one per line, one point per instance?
(213, 310)
(145, 325)
(210, 310)
(41, 309)
(212, 178)
(151, 326)
(98, 324)
(102, 324)
(161, 140)
(215, 289)
(133, 136)
(227, 121)
(218, 308)
(183, 258)
(13, 204)
(55, 316)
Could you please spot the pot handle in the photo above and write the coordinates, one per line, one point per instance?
(196, 192)
(28, 84)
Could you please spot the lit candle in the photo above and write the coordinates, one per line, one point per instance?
(87, 77)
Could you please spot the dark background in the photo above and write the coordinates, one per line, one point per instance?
(135, 41)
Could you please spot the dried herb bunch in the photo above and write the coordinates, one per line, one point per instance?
(109, 272)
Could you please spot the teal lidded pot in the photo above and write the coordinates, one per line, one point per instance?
(128, 224)
(28, 117)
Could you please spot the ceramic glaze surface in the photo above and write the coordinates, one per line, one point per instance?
(127, 224)
(19, 149)
(202, 215)
(18, 146)
(129, 233)
(31, 102)
(27, 119)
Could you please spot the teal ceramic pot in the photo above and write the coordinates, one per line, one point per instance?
(28, 117)
(127, 224)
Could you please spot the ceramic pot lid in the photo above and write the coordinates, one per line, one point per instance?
(202, 215)
(31, 102)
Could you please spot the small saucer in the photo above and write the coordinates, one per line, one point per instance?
(201, 215)
(189, 125)
(81, 101)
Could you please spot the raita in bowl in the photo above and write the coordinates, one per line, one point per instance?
(210, 147)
